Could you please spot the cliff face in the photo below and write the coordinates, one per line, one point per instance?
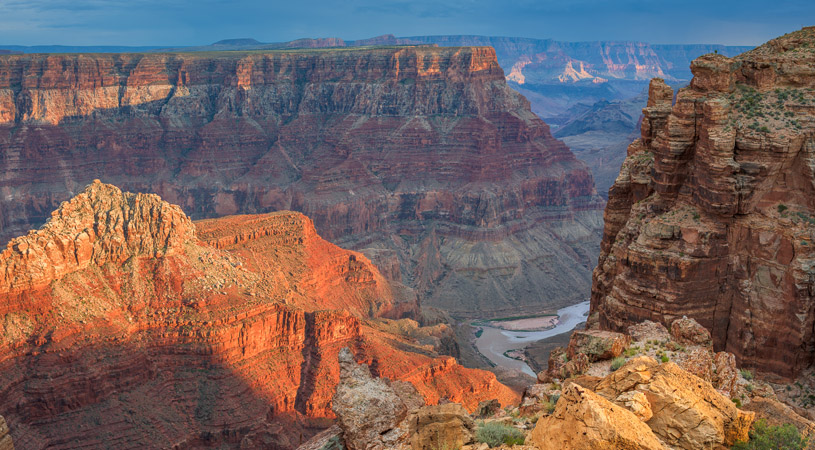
(152, 331)
(422, 152)
(711, 215)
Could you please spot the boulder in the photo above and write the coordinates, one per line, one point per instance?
(5, 436)
(597, 345)
(648, 330)
(488, 408)
(689, 332)
(686, 411)
(369, 411)
(584, 420)
(440, 426)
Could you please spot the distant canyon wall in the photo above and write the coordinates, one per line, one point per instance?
(423, 156)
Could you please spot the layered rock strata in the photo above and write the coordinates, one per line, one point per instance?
(421, 153)
(125, 324)
(712, 214)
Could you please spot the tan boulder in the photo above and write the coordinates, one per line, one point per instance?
(440, 426)
(597, 345)
(725, 372)
(686, 411)
(689, 332)
(648, 330)
(5, 436)
(583, 420)
(488, 408)
(369, 411)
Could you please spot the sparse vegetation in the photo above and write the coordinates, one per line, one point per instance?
(746, 374)
(333, 444)
(494, 434)
(664, 358)
(766, 437)
(617, 362)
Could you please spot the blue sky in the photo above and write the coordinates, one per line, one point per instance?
(197, 22)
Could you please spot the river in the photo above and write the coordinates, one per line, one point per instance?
(493, 342)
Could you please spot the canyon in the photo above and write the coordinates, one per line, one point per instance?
(712, 214)
(125, 324)
(420, 157)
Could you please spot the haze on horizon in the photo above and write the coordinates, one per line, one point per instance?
(201, 22)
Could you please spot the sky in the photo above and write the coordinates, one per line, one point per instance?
(201, 22)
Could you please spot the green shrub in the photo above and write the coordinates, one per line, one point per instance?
(746, 374)
(765, 437)
(665, 358)
(736, 402)
(782, 208)
(333, 444)
(494, 434)
(617, 362)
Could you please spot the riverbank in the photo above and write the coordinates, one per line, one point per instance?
(495, 343)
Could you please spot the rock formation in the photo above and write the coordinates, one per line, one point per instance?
(377, 414)
(643, 405)
(584, 420)
(149, 330)
(5, 438)
(423, 155)
(711, 216)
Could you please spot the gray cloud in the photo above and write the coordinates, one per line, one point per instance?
(187, 22)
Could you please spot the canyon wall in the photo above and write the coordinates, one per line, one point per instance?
(151, 331)
(712, 214)
(422, 156)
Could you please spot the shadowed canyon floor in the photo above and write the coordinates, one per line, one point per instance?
(126, 325)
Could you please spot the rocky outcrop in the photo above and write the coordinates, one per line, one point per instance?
(682, 409)
(422, 152)
(224, 333)
(369, 411)
(597, 345)
(711, 214)
(441, 426)
(643, 404)
(5, 438)
(585, 420)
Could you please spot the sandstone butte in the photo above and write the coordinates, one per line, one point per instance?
(124, 324)
(422, 157)
(712, 214)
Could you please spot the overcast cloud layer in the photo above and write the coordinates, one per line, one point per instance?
(187, 22)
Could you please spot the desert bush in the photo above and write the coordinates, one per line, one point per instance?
(766, 437)
(494, 434)
(617, 362)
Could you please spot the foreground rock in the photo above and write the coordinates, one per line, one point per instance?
(120, 296)
(368, 410)
(375, 413)
(584, 420)
(5, 438)
(645, 405)
(597, 345)
(722, 178)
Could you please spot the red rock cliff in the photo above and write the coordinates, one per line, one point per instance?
(712, 214)
(150, 331)
(422, 151)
